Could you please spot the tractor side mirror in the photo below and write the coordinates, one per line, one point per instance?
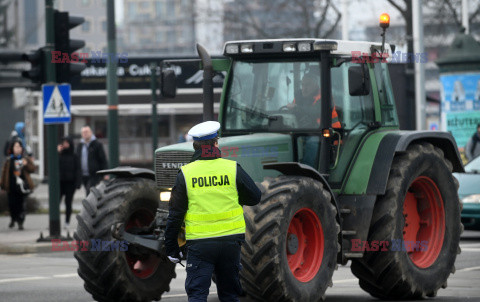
(168, 86)
(358, 81)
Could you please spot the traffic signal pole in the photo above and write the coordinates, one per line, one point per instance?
(153, 85)
(52, 131)
(112, 86)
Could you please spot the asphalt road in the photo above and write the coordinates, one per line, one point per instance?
(53, 277)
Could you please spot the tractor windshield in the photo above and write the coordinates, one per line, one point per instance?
(273, 96)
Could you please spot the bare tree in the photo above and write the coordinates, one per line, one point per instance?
(441, 16)
(247, 19)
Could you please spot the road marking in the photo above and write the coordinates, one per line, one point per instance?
(65, 276)
(344, 281)
(34, 278)
(470, 249)
(470, 245)
(182, 295)
(23, 279)
(468, 269)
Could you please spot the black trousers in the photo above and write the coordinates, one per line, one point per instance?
(208, 256)
(67, 188)
(16, 207)
(89, 182)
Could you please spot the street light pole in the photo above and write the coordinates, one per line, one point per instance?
(418, 48)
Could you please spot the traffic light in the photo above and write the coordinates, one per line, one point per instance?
(68, 64)
(37, 70)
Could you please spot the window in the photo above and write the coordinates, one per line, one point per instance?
(85, 2)
(132, 10)
(104, 25)
(144, 5)
(269, 96)
(385, 94)
(160, 37)
(171, 9)
(86, 26)
(352, 110)
(159, 9)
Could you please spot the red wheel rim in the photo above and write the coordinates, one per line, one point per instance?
(305, 244)
(144, 267)
(424, 228)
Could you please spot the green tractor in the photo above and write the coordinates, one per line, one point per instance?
(339, 182)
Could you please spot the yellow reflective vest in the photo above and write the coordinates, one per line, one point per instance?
(213, 208)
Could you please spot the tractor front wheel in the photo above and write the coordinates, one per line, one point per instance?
(291, 241)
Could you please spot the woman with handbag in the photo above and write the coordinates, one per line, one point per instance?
(17, 182)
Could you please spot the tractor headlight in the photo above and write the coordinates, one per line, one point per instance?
(289, 47)
(165, 196)
(231, 49)
(475, 198)
(246, 48)
(304, 46)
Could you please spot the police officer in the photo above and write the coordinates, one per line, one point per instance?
(208, 195)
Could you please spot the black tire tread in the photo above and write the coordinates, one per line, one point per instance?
(260, 276)
(378, 271)
(104, 278)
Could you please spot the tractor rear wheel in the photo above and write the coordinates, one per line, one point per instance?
(419, 216)
(291, 241)
(116, 274)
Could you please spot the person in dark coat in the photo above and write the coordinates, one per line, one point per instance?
(17, 182)
(92, 158)
(70, 174)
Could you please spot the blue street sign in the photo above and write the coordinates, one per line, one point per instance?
(56, 104)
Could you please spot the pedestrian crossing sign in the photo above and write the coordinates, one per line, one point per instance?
(56, 104)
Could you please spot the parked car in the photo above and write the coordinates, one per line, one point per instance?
(469, 193)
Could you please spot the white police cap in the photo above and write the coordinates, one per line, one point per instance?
(204, 131)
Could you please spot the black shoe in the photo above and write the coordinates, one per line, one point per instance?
(11, 225)
(20, 226)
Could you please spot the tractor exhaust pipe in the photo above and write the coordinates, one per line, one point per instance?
(207, 83)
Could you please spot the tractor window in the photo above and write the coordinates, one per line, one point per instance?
(273, 96)
(352, 110)
(385, 93)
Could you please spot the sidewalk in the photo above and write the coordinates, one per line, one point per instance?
(13, 241)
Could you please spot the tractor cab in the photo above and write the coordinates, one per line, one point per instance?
(326, 94)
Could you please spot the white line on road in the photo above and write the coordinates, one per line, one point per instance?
(344, 281)
(65, 276)
(182, 295)
(470, 245)
(470, 249)
(23, 279)
(468, 269)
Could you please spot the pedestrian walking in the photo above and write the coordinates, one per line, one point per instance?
(208, 195)
(472, 149)
(17, 182)
(92, 158)
(70, 175)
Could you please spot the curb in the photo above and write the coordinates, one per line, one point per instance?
(26, 248)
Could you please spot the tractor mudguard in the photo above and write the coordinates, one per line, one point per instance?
(128, 171)
(298, 169)
(399, 141)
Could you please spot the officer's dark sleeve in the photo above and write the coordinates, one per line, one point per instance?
(248, 192)
(177, 208)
